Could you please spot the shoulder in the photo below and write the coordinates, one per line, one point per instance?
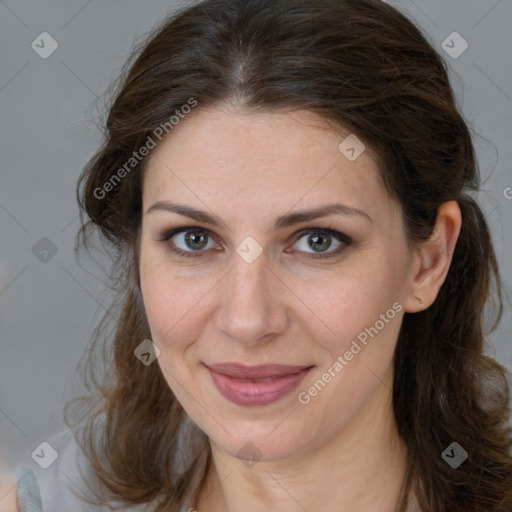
(50, 480)
(7, 491)
(54, 478)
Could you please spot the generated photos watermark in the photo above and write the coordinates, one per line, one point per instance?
(137, 156)
(305, 397)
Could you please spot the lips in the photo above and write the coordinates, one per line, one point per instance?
(256, 385)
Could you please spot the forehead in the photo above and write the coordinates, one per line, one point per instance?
(277, 135)
(225, 153)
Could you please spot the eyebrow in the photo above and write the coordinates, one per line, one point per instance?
(283, 221)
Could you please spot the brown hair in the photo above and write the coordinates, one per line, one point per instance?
(364, 66)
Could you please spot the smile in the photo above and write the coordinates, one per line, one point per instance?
(256, 385)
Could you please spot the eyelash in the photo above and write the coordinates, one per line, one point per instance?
(341, 237)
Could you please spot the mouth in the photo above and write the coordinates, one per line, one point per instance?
(256, 385)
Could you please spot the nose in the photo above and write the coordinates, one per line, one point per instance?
(252, 304)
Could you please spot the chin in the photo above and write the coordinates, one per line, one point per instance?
(264, 440)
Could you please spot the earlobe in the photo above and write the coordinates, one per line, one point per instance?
(433, 258)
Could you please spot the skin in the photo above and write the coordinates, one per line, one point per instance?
(7, 492)
(341, 451)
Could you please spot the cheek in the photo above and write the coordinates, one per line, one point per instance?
(349, 303)
(363, 314)
(173, 304)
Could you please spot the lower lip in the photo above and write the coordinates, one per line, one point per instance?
(247, 393)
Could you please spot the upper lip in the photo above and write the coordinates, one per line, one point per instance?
(262, 371)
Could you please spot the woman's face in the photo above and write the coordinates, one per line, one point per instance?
(270, 277)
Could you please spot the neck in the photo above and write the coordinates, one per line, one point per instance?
(361, 468)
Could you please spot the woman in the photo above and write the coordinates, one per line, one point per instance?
(301, 273)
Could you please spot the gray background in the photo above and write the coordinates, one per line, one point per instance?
(48, 110)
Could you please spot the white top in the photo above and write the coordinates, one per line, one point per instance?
(47, 482)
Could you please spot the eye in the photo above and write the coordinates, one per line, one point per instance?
(188, 241)
(320, 240)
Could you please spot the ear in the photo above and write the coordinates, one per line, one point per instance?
(433, 257)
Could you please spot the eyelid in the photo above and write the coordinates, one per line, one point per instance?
(327, 230)
(166, 235)
(341, 237)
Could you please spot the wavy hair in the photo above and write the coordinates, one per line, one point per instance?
(364, 66)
